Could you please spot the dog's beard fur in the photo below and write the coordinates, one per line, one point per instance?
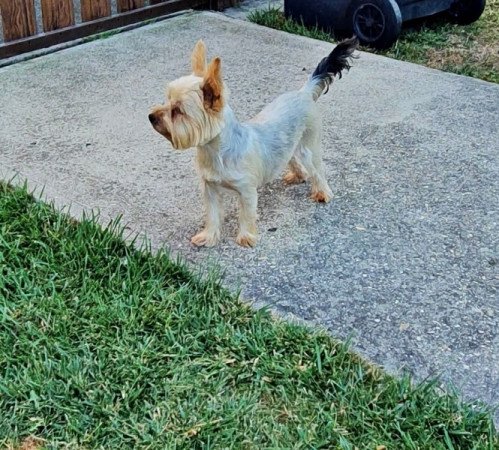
(192, 116)
(183, 120)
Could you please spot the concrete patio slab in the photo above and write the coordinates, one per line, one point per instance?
(406, 257)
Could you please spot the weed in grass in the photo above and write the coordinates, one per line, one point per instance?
(101, 36)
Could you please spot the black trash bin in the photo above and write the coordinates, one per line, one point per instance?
(377, 23)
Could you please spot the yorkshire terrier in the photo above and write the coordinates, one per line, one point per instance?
(242, 156)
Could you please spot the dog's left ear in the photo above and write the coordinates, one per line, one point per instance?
(198, 59)
(213, 86)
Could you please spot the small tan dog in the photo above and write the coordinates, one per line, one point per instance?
(243, 156)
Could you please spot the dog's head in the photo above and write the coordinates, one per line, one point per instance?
(193, 112)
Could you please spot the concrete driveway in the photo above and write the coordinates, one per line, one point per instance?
(405, 259)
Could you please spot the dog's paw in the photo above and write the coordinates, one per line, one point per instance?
(247, 240)
(293, 178)
(321, 197)
(205, 239)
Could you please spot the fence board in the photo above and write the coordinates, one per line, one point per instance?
(96, 26)
(57, 14)
(95, 9)
(129, 5)
(18, 19)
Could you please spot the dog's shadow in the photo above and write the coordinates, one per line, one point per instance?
(276, 201)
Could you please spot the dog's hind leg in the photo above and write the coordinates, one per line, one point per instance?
(296, 173)
(310, 155)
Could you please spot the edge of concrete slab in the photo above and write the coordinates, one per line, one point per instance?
(79, 211)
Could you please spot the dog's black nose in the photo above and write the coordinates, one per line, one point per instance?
(153, 119)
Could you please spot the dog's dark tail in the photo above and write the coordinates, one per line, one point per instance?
(331, 66)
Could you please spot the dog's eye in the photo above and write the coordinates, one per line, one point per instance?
(176, 112)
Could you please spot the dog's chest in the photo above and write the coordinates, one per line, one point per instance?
(213, 169)
(210, 174)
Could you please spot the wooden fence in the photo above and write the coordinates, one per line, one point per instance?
(19, 19)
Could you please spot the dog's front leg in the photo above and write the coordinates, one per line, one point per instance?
(214, 216)
(248, 199)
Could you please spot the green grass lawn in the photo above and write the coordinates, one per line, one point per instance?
(106, 346)
(471, 50)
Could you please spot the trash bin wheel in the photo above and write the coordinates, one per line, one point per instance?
(464, 12)
(376, 23)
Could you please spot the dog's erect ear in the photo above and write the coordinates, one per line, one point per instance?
(198, 59)
(213, 86)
